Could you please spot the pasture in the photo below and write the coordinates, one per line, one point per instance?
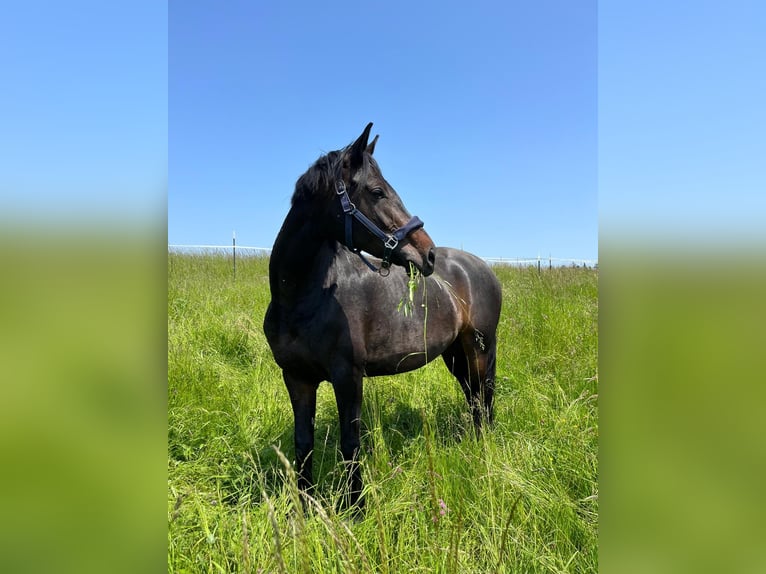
(522, 498)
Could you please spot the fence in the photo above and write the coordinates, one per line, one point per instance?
(245, 250)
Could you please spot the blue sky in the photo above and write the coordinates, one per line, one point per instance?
(682, 123)
(511, 128)
(83, 110)
(486, 114)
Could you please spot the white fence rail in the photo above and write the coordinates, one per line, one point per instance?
(246, 250)
(204, 248)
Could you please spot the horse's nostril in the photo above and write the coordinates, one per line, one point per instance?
(431, 256)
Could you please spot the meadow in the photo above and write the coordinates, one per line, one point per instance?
(521, 498)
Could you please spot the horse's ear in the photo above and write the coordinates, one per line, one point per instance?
(356, 153)
(371, 146)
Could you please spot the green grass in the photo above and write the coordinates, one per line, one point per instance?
(523, 498)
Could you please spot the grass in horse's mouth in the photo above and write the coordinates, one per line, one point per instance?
(406, 304)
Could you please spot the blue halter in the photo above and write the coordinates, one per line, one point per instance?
(390, 240)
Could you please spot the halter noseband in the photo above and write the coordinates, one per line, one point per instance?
(390, 240)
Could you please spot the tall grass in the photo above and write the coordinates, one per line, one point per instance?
(522, 498)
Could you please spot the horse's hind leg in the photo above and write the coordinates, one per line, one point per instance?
(471, 359)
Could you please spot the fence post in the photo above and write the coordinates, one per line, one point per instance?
(234, 251)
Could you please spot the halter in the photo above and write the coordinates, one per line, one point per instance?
(390, 240)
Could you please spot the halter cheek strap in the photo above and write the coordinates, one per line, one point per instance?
(390, 240)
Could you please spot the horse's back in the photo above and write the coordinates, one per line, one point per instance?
(474, 282)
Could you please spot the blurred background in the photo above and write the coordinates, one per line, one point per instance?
(682, 184)
(83, 185)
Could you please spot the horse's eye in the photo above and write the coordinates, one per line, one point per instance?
(378, 193)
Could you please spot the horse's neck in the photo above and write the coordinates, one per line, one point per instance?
(299, 260)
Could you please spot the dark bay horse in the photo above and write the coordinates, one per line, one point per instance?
(331, 318)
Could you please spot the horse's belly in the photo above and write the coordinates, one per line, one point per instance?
(405, 350)
(397, 342)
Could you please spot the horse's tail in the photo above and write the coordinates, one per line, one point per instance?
(488, 384)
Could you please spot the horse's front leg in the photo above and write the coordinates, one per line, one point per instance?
(303, 396)
(348, 396)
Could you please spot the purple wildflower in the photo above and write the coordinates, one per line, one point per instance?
(443, 509)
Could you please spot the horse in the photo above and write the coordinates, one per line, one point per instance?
(335, 313)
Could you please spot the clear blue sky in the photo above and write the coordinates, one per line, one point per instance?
(512, 129)
(83, 111)
(682, 123)
(486, 113)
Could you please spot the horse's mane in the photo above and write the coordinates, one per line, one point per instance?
(318, 179)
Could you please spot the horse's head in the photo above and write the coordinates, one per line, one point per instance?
(370, 214)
